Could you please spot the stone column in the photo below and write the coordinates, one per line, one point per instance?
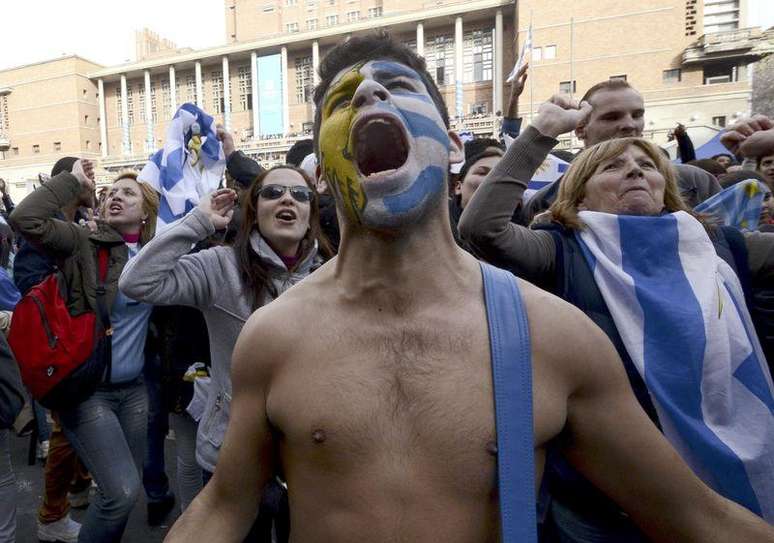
(226, 94)
(172, 90)
(458, 67)
(285, 103)
(148, 114)
(497, 58)
(254, 85)
(420, 39)
(199, 86)
(102, 118)
(315, 62)
(125, 144)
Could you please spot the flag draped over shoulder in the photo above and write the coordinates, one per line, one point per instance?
(681, 314)
(738, 205)
(182, 172)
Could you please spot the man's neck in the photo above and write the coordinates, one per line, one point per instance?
(414, 267)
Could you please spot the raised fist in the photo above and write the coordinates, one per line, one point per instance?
(559, 115)
(751, 137)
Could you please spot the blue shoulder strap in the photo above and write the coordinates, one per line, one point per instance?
(512, 379)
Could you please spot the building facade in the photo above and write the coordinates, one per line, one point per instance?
(691, 59)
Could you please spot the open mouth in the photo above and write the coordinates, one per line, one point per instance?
(380, 145)
(115, 208)
(286, 215)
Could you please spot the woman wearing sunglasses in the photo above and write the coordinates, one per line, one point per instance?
(278, 244)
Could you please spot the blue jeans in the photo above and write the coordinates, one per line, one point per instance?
(108, 432)
(44, 428)
(7, 491)
(154, 477)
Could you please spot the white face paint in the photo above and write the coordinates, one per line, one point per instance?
(384, 146)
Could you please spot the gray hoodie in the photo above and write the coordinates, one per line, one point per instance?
(164, 274)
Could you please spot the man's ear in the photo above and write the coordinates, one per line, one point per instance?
(320, 181)
(580, 131)
(456, 148)
(458, 187)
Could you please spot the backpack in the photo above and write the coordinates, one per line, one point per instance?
(62, 358)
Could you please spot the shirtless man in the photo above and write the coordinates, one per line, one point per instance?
(368, 385)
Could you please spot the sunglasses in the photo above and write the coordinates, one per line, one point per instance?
(274, 192)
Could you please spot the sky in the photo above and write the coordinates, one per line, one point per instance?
(103, 30)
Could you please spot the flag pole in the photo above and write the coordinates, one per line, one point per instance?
(572, 56)
(531, 76)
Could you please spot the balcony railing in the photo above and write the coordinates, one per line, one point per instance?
(742, 44)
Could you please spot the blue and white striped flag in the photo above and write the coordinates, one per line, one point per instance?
(738, 205)
(681, 313)
(548, 172)
(170, 171)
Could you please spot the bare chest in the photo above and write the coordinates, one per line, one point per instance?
(418, 393)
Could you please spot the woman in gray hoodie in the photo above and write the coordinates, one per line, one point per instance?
(278, 244)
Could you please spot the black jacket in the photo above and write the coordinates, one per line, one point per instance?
(11, 390)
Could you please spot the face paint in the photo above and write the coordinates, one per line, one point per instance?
(399, 195)
(336, 149)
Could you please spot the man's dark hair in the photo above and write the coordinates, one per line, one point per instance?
(715, 157)
(299, 151)
(64, 164)
(709, 165)
(361, 49)
(609, 85)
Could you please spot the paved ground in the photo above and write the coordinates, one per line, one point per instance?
(29, 480)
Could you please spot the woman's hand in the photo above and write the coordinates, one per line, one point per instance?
(219, 207)
(83, 170)
(559, 115)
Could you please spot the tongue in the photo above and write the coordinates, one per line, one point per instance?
(380, 147)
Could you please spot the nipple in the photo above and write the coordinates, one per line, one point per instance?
(318, 436)
(491, 448)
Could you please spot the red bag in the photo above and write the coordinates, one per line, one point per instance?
(61, 358)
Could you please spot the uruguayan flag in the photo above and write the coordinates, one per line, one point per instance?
(171, 170)
(739, 205)
(681, 314)
(548, 172)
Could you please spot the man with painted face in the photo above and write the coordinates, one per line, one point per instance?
(368, 386)
(617, 111)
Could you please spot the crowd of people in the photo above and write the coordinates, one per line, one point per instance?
(334, 340)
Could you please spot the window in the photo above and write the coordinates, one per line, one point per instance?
(4, 121)
(311, 24)
(245, 88)
(332, 20)
(88, 145)
(478, 108)
(291, 2)
(154, 103)
(439, 55)
(672, 76)
(57, 146)
(15, 151)
(537, 54)
(719, 121)
(353, 16)
(216, 81)
(618, 77)
(375, 12)
(268, 8)
(190, 88)
(130, 103)
(549, 52)
(86, 120)
(36, 149)
(166, 100)
(119, 108)
(567, 87)
(720, 73)
(477, 56)
(292, 27)
(304, 79)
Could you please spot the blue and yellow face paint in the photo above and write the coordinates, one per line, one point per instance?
(419, 181)
(336, 150)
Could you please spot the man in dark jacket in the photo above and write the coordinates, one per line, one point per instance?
(64, 472)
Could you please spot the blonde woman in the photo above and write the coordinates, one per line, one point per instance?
(620, 244)
(108, 429)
